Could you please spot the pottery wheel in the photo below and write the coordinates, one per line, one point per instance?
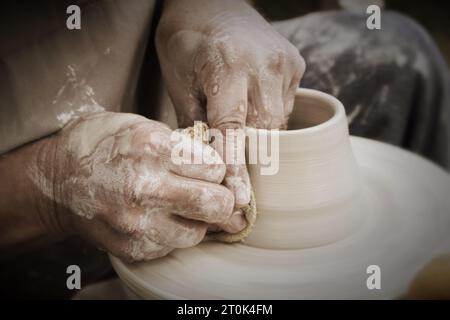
(398, 236)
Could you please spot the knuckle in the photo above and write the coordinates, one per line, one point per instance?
(277, 60)
(299, 63)
(125, 225)
(229, 55)
(294, 57)
(153, 141)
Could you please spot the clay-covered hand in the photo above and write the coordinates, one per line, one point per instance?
(222, 62)
(111, 179)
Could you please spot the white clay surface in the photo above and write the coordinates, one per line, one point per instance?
(315, 197)
(320, 226)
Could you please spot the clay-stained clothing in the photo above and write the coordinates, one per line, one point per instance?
(393, 82)
(49, 74)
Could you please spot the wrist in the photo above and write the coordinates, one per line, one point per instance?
(28, 216)
(201, 16)
(45, 174)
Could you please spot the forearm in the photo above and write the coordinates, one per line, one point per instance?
(196, 14)
(26, 210)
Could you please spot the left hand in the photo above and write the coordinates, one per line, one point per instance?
(222, 62)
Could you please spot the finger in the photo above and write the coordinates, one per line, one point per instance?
(198, 200)
(296, 66)
(173, 148)
(235, 224)
(175, 231)
(146, 249)
(120, 245)
(227, 110)
(289, 100)
(159, 226)
(178, 76)
(268, 100)
(193, 159)
(187, 107)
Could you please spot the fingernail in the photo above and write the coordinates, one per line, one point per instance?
(237, 222)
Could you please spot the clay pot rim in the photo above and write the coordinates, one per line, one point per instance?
(335, 104)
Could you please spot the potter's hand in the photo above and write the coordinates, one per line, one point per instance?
(222, 62)
(113, 182)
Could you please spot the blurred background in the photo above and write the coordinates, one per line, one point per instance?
(434, 15)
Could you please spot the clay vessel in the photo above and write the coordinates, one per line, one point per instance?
(313, 199)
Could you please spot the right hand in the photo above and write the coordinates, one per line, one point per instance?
(112, 181)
